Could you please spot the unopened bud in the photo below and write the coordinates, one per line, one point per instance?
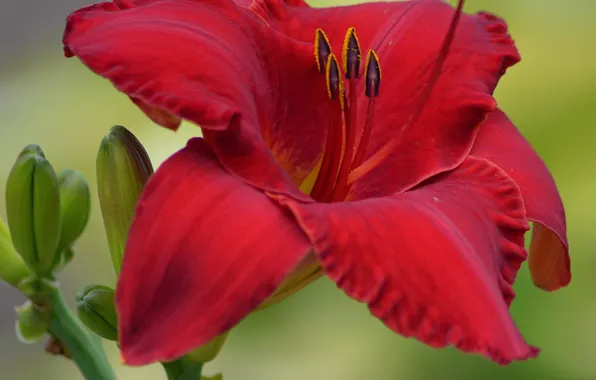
(12, 268)
(75, 203)
(95, 307)
(32, 149)
(33, 210)
(209, 351)
(123, 168)
(33, 322)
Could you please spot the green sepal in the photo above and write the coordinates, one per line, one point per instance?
(33, 322)
(208, 351)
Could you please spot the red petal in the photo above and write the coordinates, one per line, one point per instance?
(407, 37)
(435, 263)
(215, 64)
(500, 142)
(200, 256)
(218, 64)
(159, 116)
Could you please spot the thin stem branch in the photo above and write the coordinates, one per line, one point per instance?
(85, 351)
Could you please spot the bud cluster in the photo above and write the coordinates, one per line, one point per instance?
(47, 212)
(46, 215)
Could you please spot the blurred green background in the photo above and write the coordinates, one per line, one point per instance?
(320, 334)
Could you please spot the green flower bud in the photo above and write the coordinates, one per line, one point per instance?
(32, 322)
(33, 210)
(75, 202)
(32, 149)
(12, 270)
(208, 351)
(123, 168)
(95, 307)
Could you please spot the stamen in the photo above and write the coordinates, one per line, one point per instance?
(389, 147)
(372, 78)
(322, 50)
(323, 186)
(351, 55)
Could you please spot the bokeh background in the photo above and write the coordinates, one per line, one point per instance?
(320, 334)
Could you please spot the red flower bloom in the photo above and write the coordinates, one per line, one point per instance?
(414, 199)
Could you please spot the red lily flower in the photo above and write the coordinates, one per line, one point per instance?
(410, 189)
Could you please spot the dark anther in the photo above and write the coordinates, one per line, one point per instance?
(322, 50)
(333, 79)
(372, 74)
(351, 55)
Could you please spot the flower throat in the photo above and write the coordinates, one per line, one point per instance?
(343, 160)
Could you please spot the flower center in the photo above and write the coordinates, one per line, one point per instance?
(343, 159)
(342, 154)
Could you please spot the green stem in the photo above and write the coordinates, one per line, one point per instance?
(173, 369)
(183, 369)
(86, 351)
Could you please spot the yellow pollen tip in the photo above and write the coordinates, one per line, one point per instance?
(351, 32)
(318, 34)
